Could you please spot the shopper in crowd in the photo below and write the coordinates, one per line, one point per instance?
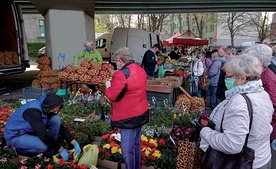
(264, 53)
(149, 62)
(196, 70)
(213, 75)
(242, 77)
(175, 54)
(225, 53)
(206, 65)
(127, 93)
(34, 127)
(89, 53)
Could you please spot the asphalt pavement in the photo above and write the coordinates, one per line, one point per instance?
(11, 86)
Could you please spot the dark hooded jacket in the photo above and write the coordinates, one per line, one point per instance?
(32, 118)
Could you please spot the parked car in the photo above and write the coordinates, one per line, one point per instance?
(41, 52)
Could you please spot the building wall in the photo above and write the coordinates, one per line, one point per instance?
(31, 24)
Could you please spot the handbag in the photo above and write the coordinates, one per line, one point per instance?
(214, 159)
(203, 80)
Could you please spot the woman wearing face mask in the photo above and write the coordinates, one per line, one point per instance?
(242, 77)
(196, 69)
(127, 93)
(89, 53)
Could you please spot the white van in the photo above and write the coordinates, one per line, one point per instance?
(103, 45)
(137, 40)
(14, 56)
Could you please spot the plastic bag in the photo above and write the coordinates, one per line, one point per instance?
(161, 71)
(90, 155)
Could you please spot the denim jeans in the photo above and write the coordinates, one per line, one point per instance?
(32, 144)
(130, 144)
(213, 97)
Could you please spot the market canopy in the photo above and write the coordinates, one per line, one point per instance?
(169, 41)
(190, 39)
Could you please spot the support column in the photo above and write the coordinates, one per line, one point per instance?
(66, 32)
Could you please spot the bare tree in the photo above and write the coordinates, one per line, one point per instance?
(156, 21)
(188, 21)
(172, 24)
(141, 21)
(235, 24)
(261, 25)
(199, 23)
(179, 16)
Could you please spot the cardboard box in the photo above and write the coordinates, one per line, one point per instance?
(108, 164)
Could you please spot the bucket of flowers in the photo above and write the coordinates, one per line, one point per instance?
(160, 123)
(110, 149)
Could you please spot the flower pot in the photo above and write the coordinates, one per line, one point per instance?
(15, 161)
(108, 164)
(97, 138)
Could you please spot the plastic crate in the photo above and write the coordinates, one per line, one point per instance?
(35, 92)
(160, 97)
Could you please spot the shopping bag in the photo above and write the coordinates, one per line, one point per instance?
(161, 71)
(90, 155)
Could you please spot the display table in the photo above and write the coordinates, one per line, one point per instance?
(165, 89)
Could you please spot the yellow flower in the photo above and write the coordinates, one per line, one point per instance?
(147, 152)
(114, 150)
(143, 149)
(174, 116)
(157, 154)
(107, 146)
(154, 142)
(120, 150)
(144, 138)
(148, 149)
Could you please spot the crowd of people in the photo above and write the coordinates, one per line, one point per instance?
(252, 73)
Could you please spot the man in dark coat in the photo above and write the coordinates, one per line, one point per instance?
(149, 62)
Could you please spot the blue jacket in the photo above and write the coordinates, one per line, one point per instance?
(17, 125)
(214, 72)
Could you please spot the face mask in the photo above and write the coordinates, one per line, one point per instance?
(119, 67)
(192, 59)
(222, 59)
(88, 48)
(229, 82)
(212, 59)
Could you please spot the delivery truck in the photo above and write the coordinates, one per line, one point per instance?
(13, 46)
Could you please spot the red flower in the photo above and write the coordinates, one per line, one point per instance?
(152, 158)
(143, 154)
(61, 161)
(153, 149)
(73, 165)
(101, 150)
(106, 154)
(50, 166)
(104, 137)
(143, 162)
(161, 142)
(83, 166)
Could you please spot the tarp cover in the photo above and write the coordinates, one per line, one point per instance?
(190, 39)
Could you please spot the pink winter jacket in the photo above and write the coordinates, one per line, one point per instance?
(269, 82)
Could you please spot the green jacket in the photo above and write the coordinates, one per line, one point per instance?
(95, 56)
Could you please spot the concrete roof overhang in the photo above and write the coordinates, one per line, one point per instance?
(147, 6)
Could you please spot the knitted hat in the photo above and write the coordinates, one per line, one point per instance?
(51, 101)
